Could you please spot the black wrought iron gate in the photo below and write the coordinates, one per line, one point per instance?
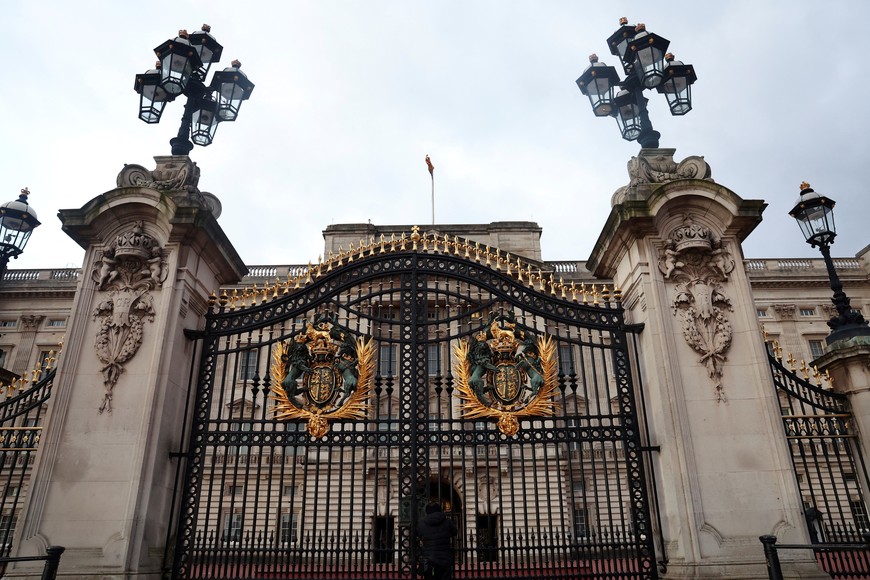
(321, 492)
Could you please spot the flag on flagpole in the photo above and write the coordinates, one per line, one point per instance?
(430, 166)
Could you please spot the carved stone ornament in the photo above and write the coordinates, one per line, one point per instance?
(128, 269)
(176, 175)
(31, 321)
(784, 311)
(698, 264)
(653, 166)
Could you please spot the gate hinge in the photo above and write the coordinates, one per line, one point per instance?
(648, 448)
(192, 334)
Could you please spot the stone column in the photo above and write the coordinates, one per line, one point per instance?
(848, 363)
(103, 481)
(672, 245)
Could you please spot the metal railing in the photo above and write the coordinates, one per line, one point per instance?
(838, 560)
(52, 561)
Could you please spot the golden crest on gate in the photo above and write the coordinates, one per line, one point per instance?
(505, 371)
(323, 373)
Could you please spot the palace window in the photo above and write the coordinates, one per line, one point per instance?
(239, 448)
(808, 311)
(289, 528)
(7, 528)
(433, 359)
(566, 359)
(2, 358)
(761, 312)
(581, 523)
(44, 356)
(8, 323)
(817, 349)
(232, 531)
(235, 490)
(387, 360)
(247, 365)
(859, 514)
(56, 322)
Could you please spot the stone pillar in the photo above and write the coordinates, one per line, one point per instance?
(103, 482)
(848, 363)
(672, 245)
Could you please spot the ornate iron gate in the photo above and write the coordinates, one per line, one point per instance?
(405, 372)
(828, 465)
(23, 403)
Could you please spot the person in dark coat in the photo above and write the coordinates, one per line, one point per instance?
(437, 531)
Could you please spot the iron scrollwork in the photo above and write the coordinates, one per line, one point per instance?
(324, 373)
(506, 372)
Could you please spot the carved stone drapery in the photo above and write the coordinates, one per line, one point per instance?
(128, 269)
(697, 262)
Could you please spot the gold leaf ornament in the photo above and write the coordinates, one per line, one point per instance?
(507, 416)
(355, 405)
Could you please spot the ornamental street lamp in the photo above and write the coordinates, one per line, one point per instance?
(814, 214)
(181, 69)
(17, 221)
(647, 65)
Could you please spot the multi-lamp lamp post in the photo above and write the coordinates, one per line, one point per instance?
(182, 66)
(647, 65)
(814, 214)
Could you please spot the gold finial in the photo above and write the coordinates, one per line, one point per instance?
(425, 240)
(212, 299)
(804, 185)
(415, 233)
(372, 245)
(403, 242)
(308, 274)
(805, 370)
(25, 192)
(829, 379)
(791, 361)
(222, 302)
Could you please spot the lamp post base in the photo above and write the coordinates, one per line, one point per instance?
(180, 146)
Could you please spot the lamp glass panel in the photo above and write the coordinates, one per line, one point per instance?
(628, 120)
(650, 66)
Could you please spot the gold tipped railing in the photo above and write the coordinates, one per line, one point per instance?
(536, 279)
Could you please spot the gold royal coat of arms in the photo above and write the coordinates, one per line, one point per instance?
(506, 372)
(323, 373)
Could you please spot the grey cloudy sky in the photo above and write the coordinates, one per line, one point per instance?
(350, 97)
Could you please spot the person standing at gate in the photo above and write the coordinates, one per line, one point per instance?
(437, 532)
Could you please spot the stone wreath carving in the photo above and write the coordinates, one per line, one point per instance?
(696, 260)
(128, 269)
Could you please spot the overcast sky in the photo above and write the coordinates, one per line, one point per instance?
(350, 97)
